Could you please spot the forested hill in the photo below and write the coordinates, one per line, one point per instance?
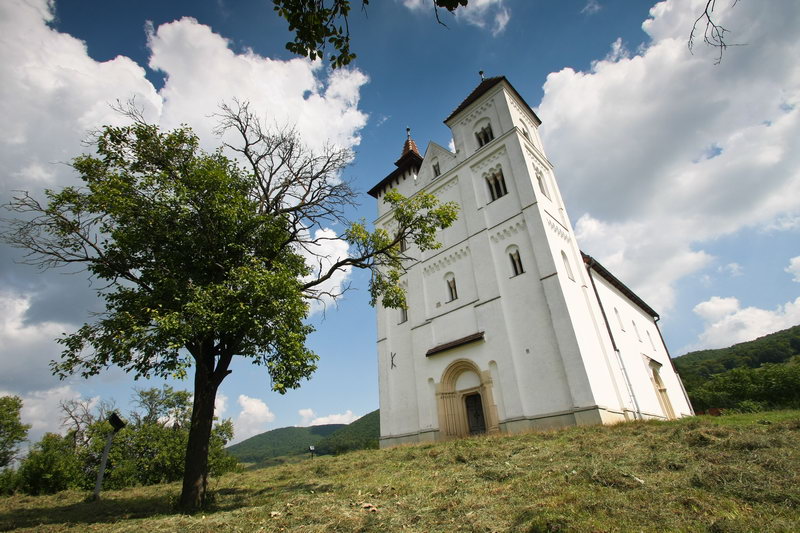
(282, 441)
(696, 368)
(360, 435)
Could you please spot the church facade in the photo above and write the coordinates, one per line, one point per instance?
(509, 326)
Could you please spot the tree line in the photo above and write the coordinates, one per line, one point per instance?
(149, 450)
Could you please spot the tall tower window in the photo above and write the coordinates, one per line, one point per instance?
(542, 185)
(484, 135)
(516, 261)
(497, 185)
(452, 291)
(567, 267)
(436, 170)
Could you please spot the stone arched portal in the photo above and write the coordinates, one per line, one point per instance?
(455, 394)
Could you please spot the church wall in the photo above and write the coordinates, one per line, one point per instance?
(636, 348)
(545, 343)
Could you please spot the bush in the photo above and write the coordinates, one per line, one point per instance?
(51, 466)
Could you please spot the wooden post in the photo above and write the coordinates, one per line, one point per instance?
(116, 424)
(99, 484)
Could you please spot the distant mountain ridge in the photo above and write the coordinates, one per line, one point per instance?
(294, 441)
(282, 441)
(695, 368)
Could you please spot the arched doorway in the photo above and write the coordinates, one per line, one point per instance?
(465, 402)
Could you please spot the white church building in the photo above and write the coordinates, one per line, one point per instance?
(509, 326)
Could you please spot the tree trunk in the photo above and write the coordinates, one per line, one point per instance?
(195, 474)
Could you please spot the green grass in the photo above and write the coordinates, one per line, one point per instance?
(727, 474)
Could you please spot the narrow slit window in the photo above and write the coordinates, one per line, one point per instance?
(436, 171)
(403, 315)
(619, 319)
(650, 338)
(567, 266)
(516, 263)
(542, 185)
(636, 329)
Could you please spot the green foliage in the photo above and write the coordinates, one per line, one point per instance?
(280, 442)
(770, 386)
(696, 368)
(317, 23)
(12, 430)
(362, 434)
(417, 218)
(200, 260)
(52, 466)
(735, 473)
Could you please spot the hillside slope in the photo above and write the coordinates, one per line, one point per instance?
(362, 434)
(725, 474)
(695, 368)
(282, 441)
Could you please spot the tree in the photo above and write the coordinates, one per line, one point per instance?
(203, 259)
(318, 23)
(12, 430)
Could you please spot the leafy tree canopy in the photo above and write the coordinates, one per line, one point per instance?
(203, 259)
(12, 430)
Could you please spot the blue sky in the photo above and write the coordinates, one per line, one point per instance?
(681, 176)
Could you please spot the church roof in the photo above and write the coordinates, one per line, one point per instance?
(483, 87)
(592, 263)
(410, 158)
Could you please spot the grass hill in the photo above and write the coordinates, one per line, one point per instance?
(279, 442)
(697, 367)
(725, 474)
(362, 434)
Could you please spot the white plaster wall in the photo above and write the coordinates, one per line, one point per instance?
(633, 351)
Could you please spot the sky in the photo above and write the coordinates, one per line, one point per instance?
(680, 175)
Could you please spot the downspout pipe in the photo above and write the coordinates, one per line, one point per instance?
(638, 411)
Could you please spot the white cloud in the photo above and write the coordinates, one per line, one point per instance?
(794, 268)
(727, 323)
(492, 15)
(645, 191)
(591, 7)
(252, 419)
(339, 418)
(731, 269)
(53, 92)
(27, 348)
(41, 409)
(321, 256)
(220, 405)
(306, 415)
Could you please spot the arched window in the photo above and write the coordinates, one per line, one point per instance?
(542, 185)
(619, 319)
(436, 170)
(653, 346)
(497, 184)
(525, 132)
(484, 135)
(516, 261)
(636, 329)
(567, 267)
(452, 291)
